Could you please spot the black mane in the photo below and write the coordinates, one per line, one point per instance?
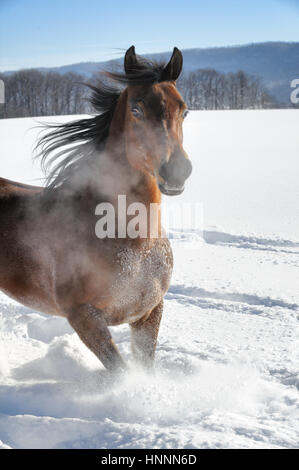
(69, 147)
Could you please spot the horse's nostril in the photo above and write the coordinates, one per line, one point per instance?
(163, 171)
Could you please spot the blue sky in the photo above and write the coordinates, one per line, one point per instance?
(35, 33)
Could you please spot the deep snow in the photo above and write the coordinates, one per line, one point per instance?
(227, 361)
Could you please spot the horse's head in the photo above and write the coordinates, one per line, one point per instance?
(155, 112)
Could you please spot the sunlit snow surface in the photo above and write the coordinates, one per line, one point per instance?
(227, 362)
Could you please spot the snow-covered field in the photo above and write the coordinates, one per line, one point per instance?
(227, 359)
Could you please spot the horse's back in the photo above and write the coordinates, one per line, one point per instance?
(14, 188)
(15, 197)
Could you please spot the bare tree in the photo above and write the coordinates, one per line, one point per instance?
(209, 89)
(33, 93)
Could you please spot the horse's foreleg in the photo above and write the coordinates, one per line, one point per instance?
(89, 323)
(144, 334)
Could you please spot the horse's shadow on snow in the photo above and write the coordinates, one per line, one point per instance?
(206, 299)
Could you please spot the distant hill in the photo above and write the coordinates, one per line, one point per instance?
(277, 63)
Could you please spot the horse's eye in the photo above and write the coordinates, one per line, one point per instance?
(137, 112)
(185, 113)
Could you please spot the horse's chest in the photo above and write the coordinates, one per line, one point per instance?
(142, 278)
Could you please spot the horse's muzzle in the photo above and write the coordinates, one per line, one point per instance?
(173, 174)
(170, 191)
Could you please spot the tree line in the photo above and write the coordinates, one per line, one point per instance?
(35, 93)
(209, 89)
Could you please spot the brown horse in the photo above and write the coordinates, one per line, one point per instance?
(50, 257)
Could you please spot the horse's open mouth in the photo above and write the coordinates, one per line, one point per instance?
(170, 190)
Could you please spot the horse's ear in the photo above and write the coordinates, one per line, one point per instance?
(174, 66)
(130, 62)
